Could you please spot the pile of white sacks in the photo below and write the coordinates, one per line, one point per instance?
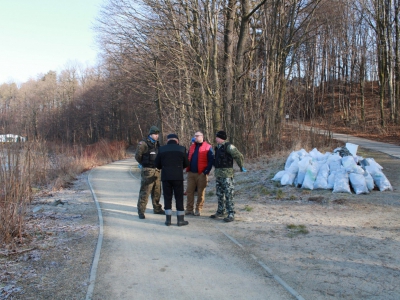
(314, 170)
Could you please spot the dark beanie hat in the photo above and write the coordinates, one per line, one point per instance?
(172, 136)
(154, 130)
(222, 135)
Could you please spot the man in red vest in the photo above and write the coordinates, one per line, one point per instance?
(201, 158)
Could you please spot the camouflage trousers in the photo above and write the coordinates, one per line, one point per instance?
(225, 191)
(150, 185)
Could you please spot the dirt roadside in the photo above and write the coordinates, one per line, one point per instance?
(350, 251)
(55, 258)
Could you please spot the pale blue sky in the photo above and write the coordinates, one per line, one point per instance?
(41, 35)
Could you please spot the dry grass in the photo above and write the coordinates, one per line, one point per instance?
(24, 168)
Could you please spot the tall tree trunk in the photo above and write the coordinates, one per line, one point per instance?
(228, 61)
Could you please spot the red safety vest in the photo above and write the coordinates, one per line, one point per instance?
(202, 161)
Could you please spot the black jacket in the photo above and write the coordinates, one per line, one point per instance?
(171, 159)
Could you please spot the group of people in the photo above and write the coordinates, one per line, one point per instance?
(166, 164)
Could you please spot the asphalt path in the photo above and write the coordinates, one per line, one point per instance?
(144, 259)
(390, 149)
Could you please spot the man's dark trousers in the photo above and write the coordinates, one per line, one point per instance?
(170, 188)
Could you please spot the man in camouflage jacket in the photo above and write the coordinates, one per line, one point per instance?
(145, 155)
(225, 153)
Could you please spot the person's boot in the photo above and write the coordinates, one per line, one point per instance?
(168, 214)
(217, 215)
(159, 211)
(181, 218)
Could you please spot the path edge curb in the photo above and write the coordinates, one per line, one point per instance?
(96, 257)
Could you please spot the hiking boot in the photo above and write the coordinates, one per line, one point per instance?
(159, 212)
(217, 215)
(181, 218)
(168, 214)
(197, 213)
(141, 216)
(229, 218)
(189, 212)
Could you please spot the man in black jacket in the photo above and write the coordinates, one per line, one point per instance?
(172, 159)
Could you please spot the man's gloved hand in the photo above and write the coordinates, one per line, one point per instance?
(140, 166)
(243, 169)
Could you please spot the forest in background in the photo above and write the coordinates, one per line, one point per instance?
(240, 66)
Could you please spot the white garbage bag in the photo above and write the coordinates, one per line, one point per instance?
(316, 155)
(369, 180)
(331, 180)
(292, 156)
(278, 176)
(302, 153)
(311, 175)
(334, 161)
(291, 173)
(351, 166)
(373, 163)
(321, 182)
(379, 178)
(341, 182)
(303, 164)
(358, 183)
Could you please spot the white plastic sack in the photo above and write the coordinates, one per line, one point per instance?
(303, 164)
(292, 156)
(291, 173)
(321, 182)
(341, 182)
(316, 155)
(351, 166)
(331, 180)
(326, 156)
(311, 175)
(369, 180)
(379, 178)
(373, 163)
(358, 183)
(334, 161)
(302, 153)
(278, 176)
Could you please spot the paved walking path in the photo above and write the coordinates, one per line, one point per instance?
(144, 259)
(390, 149)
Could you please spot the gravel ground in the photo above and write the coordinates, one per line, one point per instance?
(324, 245)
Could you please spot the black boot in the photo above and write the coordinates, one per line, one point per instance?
(181, 218)
(168, 213)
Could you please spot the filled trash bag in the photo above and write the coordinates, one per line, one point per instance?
(335, 162)
(351, 166)
(321, 182)
(310, 176)
(278, 176)
(358, 183)
(331, 180)
(303, 164)
(369, 180)
(379, 178)
(290, 173)
(341, 182)
(292, 156)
